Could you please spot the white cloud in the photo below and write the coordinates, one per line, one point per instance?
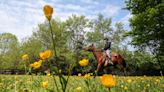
(21, 16)
(12, 25)
(125, 19)
(111, 10)
(70, 7)
(89, 2)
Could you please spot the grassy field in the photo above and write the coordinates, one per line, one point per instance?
(32, 83)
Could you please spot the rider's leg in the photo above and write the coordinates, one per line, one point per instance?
(108, 54)
(104, 59)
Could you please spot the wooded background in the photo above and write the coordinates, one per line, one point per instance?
(142, 46)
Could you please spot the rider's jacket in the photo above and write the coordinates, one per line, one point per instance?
(107, 45)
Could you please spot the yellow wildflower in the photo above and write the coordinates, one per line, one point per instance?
(48, 10)
(46, 54)
(87, 76)
(79, 74)
(122, 86)
(108, 80)
(44, 84)
(84, 62)
(78, 89)
(36, 64)
(48, 74)
(1, 85)
(148, 85)
(157, 80)
(100, 77)
(129, 80)
(125, 88)
(25, 57)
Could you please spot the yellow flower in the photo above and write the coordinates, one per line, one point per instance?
(78, 89)
(122, 86)
(48, 74)
(1, 85)
(84, 62)
(46, 54)
(157, 80)
(148, 85)
(87, 76)
(36, 64)
(108, 80)
(44, 84)
(79, 74)
(125, 88)
(129, 80)
(25, 57)
(48, 10)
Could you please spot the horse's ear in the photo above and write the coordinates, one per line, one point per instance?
(92, 44)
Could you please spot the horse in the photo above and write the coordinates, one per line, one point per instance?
(116, 58)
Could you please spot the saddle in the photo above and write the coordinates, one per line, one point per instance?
(108, 60)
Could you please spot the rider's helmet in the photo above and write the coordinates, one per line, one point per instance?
(106, 39)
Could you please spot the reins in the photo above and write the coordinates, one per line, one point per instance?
(95, 51)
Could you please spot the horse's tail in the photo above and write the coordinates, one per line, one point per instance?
(124, 63)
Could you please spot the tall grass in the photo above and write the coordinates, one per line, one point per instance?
(32, 83)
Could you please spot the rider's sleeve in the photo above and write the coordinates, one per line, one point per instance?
(107, 45)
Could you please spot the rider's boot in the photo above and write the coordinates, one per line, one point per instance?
(110, 62)
(106, 62)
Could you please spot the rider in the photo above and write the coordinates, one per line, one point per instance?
(107, 48)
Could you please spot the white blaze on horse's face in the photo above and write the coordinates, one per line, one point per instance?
(90, 47)
(87, 47)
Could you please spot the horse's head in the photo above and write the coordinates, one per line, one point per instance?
(90, 47)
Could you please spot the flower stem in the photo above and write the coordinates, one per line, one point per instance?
(54, 46)
(109, 90)
(54, 49)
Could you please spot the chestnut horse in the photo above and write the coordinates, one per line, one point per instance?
(116, 58)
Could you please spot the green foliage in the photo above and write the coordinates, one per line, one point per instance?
(75, 26)
(100, 28)
(21, 83)
(147, 23)
(70, 36)
(147, 26)
(9, 51)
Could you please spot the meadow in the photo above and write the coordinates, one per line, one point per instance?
(57, 48)
(33, 83)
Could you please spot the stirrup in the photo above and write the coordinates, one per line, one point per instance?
(110, 62)
(106, 63)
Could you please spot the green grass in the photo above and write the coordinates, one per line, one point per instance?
(32, 83)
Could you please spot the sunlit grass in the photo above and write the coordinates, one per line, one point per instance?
(28, 83)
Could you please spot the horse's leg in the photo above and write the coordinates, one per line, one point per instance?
(107, 70)
(123, 69)
(98, 69)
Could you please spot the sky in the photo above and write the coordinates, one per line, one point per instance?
(21, 17)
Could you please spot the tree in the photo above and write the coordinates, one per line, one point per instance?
(76, 27)
(9, 51)
(147, 25)
(101, 27)
(118, 36)
(42, 35)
